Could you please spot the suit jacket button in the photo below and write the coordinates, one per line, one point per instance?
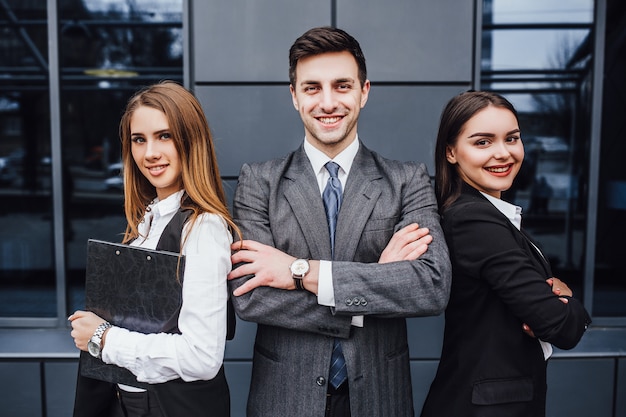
(356, 301)
(363, 301)
(348, 302)
(321, 381)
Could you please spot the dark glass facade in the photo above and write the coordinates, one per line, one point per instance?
(541, 55)
(104, 51)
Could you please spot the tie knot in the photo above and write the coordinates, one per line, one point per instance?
(332, 168)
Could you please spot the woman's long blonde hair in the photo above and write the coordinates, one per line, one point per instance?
(192, 137)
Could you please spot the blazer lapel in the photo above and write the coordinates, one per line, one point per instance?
(537, 254)
(303, 195)
(359, 199)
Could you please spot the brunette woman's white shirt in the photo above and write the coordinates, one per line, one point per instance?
(514, 214)
(198, 352)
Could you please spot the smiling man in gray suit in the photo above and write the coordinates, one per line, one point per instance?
(336, 255)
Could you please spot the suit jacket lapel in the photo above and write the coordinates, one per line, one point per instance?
(304, 197)
(359, 199)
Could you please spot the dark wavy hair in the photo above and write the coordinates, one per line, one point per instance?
(321, 40)
(457, 112)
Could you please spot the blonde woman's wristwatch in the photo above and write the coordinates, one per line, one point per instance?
(95, 343)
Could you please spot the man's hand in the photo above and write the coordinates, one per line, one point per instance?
(269, 266)
(407, 244)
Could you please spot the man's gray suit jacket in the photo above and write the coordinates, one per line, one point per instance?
(279, 203)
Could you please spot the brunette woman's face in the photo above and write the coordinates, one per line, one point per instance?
(488, 152)
(154, 152)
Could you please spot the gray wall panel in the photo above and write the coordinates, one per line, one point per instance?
(580, 387)
(60, 387)
(249, 40)
(250, 123)
(422, 375)
(425, 336)
(20, 389)
(408, 40)
(401, 122)
(242, 346)
(238, 375)
(256, 123)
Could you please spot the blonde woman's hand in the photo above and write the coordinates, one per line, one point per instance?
(84, 324)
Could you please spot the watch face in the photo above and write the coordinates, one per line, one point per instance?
(300, 267)
(93, 348)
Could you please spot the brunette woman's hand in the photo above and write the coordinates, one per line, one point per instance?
(84, 324)
(558, 288)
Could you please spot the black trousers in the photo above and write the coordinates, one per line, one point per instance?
(136, 404)
(175, 398)
(338, 401)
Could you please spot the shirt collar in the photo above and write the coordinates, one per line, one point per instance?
(169, 205)
(511, 211)
(344, 159)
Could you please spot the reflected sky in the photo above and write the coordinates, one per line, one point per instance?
(543, 11)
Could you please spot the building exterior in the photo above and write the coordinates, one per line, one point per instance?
(69, 66)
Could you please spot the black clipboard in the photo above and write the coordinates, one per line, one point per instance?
(131, 287)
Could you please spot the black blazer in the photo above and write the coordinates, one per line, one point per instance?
(210, 398)
(489, 366)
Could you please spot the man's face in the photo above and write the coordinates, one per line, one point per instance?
(329, 98)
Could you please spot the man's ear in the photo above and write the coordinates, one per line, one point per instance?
(294, 100)
(450, 155)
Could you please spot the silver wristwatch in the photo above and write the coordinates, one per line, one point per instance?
(95, 343)
(299, 269)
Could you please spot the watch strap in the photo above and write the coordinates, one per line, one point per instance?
(298, 282)
(97, 335)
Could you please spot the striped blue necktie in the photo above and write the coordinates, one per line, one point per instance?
(332, 201)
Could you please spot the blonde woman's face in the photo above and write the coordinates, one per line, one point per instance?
(154, 152)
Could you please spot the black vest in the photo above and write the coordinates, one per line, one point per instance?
(170, 241)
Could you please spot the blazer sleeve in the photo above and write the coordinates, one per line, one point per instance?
(297, 310)
(407, 288)
(485, 246)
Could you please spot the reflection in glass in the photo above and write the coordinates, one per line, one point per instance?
(108, 50)
(542, 11)
(27, 268)
(532, 52)
(610, 265)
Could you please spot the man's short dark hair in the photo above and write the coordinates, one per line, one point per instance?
(321, 40)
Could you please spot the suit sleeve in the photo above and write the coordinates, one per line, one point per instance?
(407, 288)
(485, 247)
(297, 310)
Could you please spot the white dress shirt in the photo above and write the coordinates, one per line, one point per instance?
(198, 352)
(325, 292)
(514, 214)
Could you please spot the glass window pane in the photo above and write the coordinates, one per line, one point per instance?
(542, 11)
(108, 50)
(548, 186)
(537, 54)
(610, 268)
(27, 267)
(531, 49)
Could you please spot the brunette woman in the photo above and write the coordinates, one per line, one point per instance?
(506, 310)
